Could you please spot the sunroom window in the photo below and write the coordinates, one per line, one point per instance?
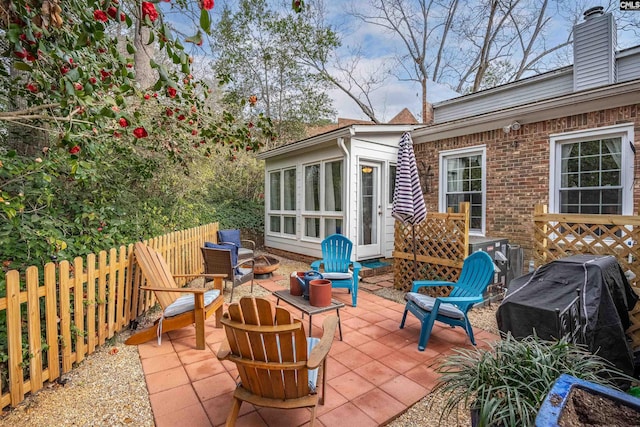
(282, 202)
(323, 199)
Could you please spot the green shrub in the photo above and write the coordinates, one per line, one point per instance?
(508, 382)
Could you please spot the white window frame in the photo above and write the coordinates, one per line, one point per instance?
(480, 150)
(624, 131)
(321, 214)
(282, 213)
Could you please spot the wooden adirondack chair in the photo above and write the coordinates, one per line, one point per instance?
(278, 366)
(336, 262)
(181, 306)
(476, 275)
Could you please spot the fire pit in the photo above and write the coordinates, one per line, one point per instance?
(264, 266)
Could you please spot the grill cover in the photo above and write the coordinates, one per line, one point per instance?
(606, 299)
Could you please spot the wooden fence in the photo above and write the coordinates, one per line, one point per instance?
(57, 317)
(561, 235)
(435, 252)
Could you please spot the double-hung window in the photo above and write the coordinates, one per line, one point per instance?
(282, 202)
(463, 179)
(323, 199)
(591, 171)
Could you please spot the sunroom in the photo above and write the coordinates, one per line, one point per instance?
(340, 181)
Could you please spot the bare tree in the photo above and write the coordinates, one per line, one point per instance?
(410, 22)
(468, 46)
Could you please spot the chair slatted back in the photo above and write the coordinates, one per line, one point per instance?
(270, 351)
(336, 253)
(156, 272)
(476, 275)
(218, 261)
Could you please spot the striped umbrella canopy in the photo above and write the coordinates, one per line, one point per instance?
(408, 202)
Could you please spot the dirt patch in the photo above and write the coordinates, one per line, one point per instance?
(589, 409)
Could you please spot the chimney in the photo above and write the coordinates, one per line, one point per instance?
(427, 113)
(594, 49)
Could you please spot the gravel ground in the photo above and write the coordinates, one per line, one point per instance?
(108, 387)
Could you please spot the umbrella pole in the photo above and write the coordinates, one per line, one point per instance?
(415, 259)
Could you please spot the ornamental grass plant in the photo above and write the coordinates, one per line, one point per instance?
(506, 384)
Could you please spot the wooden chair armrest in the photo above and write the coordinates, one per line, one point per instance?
(321, 350)
(189, 290)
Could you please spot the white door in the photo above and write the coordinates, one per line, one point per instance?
(369, 211)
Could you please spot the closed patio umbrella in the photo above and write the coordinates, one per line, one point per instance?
(408, 201)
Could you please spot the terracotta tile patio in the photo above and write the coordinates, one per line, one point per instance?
(373, 375)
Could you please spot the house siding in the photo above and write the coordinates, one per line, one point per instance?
(553, 85)
(384, 153)
(594, 52)
(517, 168)
(628, 67)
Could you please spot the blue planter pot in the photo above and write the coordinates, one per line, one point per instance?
(555, 402)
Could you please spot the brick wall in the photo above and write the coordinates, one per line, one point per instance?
(518, 168)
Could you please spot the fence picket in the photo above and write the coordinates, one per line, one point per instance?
(102, 297)
(79, 329)
(51, 316)
(14, 332)
(65, 316)
(34, 335)
(128, 284)
(111, 293)
(91, 303)
(119, 321)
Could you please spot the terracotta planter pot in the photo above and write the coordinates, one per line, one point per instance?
(320, 292)
(294, 284)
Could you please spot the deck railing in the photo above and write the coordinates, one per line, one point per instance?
(56, 315)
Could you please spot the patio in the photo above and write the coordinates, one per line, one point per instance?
(373, 376)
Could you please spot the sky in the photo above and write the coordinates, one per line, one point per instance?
(395, 95)
(379, 48)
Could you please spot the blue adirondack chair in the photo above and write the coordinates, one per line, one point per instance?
(476, 275)
(336, 263)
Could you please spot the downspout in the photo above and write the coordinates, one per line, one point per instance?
(347, 158)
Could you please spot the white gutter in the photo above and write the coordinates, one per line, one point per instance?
(347, 158)
(305, 143)
(611, 96)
